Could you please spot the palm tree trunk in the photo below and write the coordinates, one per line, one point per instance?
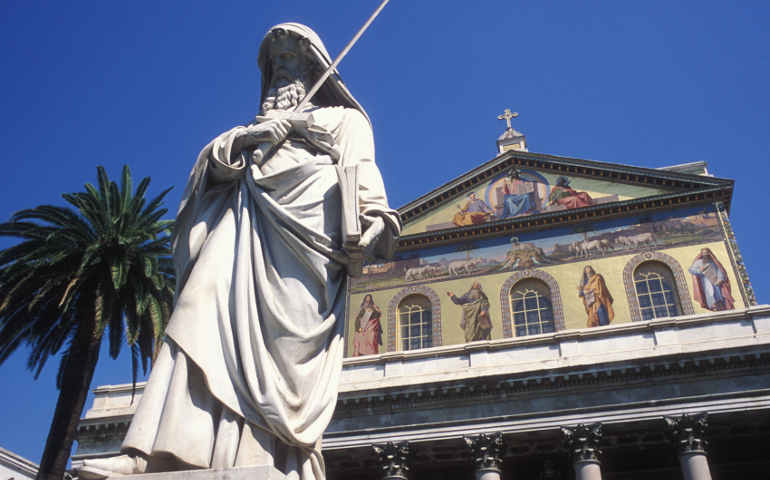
(78, 371)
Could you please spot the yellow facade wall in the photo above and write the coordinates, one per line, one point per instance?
(567, 277)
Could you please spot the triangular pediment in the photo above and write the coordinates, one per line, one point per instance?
(516, 187)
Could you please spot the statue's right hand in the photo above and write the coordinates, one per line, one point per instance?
(272, 131)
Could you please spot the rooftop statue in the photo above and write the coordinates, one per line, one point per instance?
(249, 371)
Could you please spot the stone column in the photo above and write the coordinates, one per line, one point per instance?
(393, 459)
(582, 441)
(487, 455)
(687, 433)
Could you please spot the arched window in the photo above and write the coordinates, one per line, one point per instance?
(530, 302)
(656, 291)
(415, 323)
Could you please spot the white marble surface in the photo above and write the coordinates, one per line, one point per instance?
(263, 472)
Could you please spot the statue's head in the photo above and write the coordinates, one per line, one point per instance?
(289, 57)
(289, 68)
(292, 57)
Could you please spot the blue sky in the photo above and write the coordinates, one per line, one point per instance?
(148, 83)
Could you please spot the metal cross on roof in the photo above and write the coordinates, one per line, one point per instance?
(507, 116)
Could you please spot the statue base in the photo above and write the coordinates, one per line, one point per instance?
(259, 472)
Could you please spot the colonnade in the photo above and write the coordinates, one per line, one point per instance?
(686, 432)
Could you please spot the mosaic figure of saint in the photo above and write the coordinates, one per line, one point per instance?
(474, 211)
(566, 196)
(596, 298)
(368, 335)
(475, 320)
(710, 285)
(518, 196)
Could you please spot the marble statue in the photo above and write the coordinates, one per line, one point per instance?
(249, 370)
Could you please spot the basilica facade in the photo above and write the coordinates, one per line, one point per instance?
(546, 317)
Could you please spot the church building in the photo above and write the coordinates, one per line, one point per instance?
(546, 318)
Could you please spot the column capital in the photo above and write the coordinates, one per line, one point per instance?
(582, 441)
(487, 450)
(393, 459)
(688, 432)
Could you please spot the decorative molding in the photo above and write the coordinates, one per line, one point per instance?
(14, 461)
(735, 256)
(676, 270)
(393, 459)
(582, 441)
(620, 374)
(435, 305)
(505, 304)
(486, 451)
(688, 432)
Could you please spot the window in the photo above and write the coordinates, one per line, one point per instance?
(415, 323)
(531, 308)
(656, 291)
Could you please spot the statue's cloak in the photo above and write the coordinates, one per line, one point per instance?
(255, 338)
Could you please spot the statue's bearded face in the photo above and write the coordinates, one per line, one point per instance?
(289, 68)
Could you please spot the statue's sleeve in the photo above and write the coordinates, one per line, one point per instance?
(215, 165)
(356, 143)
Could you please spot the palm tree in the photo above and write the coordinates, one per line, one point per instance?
(75, 273)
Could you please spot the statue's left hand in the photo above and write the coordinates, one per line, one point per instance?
(372, 233)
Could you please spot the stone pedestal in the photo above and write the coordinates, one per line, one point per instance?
(487, 451)
(688, 434)
(262, 472)
(582, 442)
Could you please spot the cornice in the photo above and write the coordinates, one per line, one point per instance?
(626, 413)
(18, 463)
(98, 425)
(675, 181)
(676, 367)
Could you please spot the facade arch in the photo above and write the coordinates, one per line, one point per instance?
(435, 302)
(553, 286)
(677, 272)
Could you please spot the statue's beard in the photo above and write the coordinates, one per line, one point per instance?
(285, 97)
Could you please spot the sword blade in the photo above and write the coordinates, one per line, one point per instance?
(333, 66)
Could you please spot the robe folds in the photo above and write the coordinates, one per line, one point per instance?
(254, 345)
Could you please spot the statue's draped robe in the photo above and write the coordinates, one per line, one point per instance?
(255, 339)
